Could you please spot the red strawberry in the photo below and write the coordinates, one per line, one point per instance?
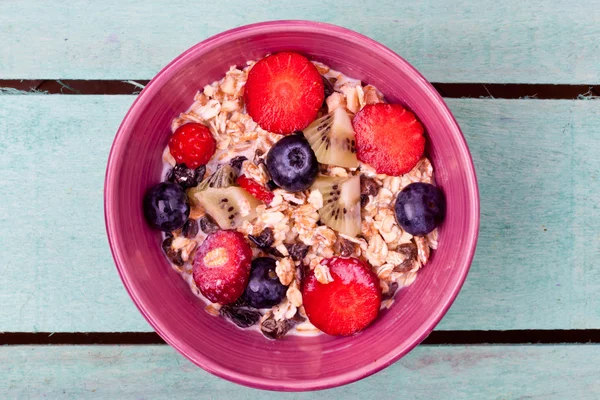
(389, 138)
(255, 189)
(222, 266)
(284, 92)
(346, 305)
(192, 144)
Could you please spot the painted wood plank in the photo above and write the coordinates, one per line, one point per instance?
(156, 372)
(511, 41)
(536, 266)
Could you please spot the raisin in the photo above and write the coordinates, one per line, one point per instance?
(409, 250)
(186, 177)
(276, 329)
(190, 228)
(297, 250)
(173, 255)
(271, 185)
(405, 265)
(264, 239)
(237, 162)
(344, 247)
(391, 291)
(208, 224)
(327, 87)
(241, 316)
(368, 186)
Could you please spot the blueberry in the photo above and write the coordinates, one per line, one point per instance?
(166, 206)
(420, 208)
(292, 164)
(264, 289)
(186, 177)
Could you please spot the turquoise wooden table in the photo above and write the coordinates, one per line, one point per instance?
(527, 322)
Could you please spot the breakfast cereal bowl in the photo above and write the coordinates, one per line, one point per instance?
(296, 362)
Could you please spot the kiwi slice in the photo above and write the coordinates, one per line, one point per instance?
(332, 139)
(341, 203)
(224, 177)
(224, 205)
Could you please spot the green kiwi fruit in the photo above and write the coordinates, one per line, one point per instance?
(341, 203)
(332, 139)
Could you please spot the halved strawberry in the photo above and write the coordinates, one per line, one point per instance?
(284, 92)
(222, 266)
(346, 305)
(255, 189)
(389, 138)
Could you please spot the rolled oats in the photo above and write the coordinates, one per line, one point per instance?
(323, 274)
(285, 270)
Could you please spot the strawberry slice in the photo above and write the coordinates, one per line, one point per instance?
(255, 189)
(346, 305)
(284, 92)
(222, 266)
(389, 138)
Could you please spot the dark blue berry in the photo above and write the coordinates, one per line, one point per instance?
(420, 208)
(166, 206)
(292, 164)
(264, 289)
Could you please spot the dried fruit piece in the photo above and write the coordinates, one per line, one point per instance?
(173, 255)
(186, 177)
(242, 317)
(190, 228)
(208, 225)
(297, 250)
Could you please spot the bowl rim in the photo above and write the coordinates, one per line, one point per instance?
(281, 26)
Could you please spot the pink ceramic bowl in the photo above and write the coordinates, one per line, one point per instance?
(295, 363)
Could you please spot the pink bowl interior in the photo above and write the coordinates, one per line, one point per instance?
(244, 357)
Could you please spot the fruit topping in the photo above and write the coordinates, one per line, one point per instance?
(420, 208)
(186, 177)
(344, 247)
(229, 206)
(222, 266)
(276, 329)
(341, 203)
(223, 177)
(368, 187)
(327, 87)
(283, 92)
(332, 139)
(389, 138)
(264, 241)
(208, 225)
(292, 163)
(166, 206)
(255, 189)
(347, 304)
(192, 144)
(173, 255)
(190, 228)
(264, 288)
(236, 162)
(297, 250)
(241, 316)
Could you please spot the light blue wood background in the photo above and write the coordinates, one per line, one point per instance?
(537, 263)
